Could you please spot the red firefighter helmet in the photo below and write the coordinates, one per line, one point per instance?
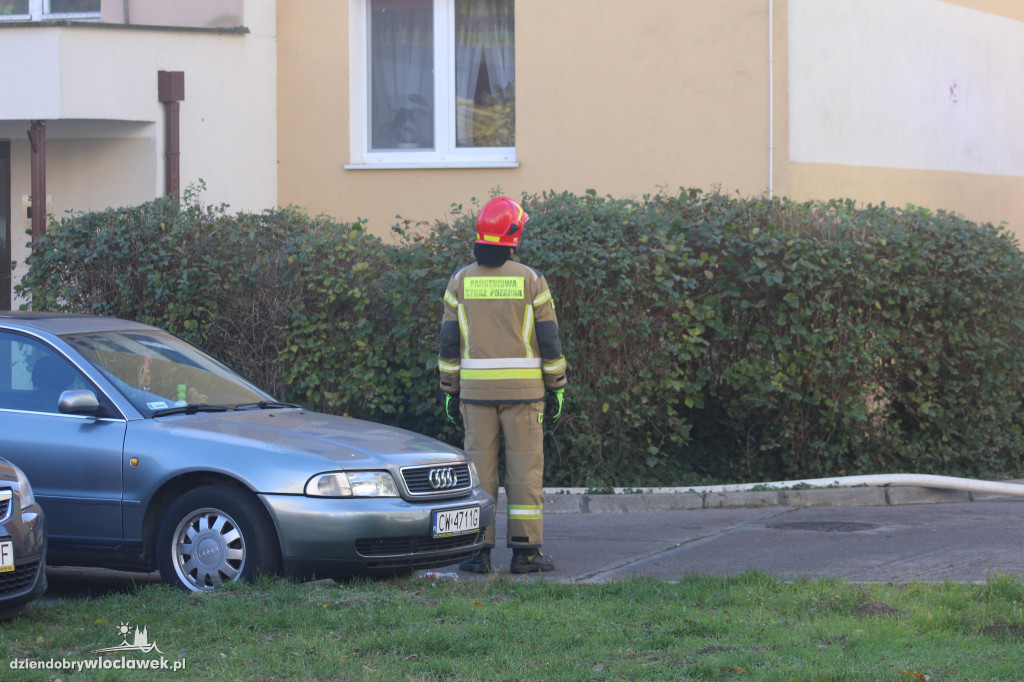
(500, 222)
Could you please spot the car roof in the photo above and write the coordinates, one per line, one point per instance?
(66, 323)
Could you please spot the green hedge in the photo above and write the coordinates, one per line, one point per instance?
(710, 338)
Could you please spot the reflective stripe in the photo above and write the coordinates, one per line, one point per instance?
(543, 298)
(464, 326)
(501, 363)
(526, 512)
(528, 330)
(447, 366)
(498, 374)
(449, 298)
(552, 368)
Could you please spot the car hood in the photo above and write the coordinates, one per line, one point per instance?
(298, 431)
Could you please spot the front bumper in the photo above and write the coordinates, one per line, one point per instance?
(27, 582)
(331, 538)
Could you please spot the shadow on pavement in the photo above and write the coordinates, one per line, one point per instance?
(81, 583)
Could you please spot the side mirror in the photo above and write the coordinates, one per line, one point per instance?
(78, 401)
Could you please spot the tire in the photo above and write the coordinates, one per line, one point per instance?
(213, 535)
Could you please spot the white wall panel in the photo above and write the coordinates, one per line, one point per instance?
(872, 81)
(30, 73)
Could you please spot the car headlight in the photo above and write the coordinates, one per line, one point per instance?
(28, 498)
(352, 484)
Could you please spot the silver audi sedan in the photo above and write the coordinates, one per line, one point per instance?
(146, 453)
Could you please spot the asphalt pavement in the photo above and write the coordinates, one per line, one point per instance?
(863, 534)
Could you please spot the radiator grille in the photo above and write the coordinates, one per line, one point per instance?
(384, 547)
(417, 479)
(20, 579)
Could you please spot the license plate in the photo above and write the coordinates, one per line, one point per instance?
(451, 522)
(6, 556)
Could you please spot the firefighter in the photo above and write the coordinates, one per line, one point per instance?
(499, 357)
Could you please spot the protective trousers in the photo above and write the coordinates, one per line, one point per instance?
(522, 426)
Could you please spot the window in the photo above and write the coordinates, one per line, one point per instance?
(433, 83)
(39, 10)
(32, 376)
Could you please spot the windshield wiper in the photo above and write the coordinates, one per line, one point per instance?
(265, 405)
(189, 409)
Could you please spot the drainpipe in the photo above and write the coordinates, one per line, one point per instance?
(171, 90)
(771, 100)
(37, 140)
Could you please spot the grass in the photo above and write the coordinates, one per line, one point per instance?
(702, 628)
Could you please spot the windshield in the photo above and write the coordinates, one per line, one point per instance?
(157, 371)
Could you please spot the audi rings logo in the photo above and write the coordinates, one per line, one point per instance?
(443, 478)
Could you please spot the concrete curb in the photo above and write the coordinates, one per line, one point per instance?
(561, 501)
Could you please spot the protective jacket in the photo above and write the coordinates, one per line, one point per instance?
(499, 336)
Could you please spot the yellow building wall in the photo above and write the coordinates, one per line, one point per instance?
(1011, 9)
(916, 102)
(624, 101)
(995, 199)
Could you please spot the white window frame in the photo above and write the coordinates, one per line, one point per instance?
(445, 153)
(39, 10)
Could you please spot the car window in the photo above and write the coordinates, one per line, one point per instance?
(33, 375)
(156, 371)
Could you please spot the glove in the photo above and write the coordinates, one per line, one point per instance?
(559, 399)
(451, 407)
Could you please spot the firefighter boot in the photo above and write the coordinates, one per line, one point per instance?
(481, 563)
(530, 560)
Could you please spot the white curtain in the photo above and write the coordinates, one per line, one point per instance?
(402, 56)
(484, 33)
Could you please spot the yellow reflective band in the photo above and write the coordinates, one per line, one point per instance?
(554, 367)
(464, 328)
(526, 512)
(488, 237)
(449, 298)
(498, 374)
(494, 288)
(447, 366)
(543, 298)
(528, 330)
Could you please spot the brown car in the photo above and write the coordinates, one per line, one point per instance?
(22, 542)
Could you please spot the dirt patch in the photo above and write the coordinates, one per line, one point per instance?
(714, 649)
(1002, 629)
(876, 609)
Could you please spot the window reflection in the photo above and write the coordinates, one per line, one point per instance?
(13, 7)
(74, 6)
(402, 74)
(479, 105)
(485, 73)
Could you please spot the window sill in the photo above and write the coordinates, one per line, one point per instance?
(431, 165)
(50, 19)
